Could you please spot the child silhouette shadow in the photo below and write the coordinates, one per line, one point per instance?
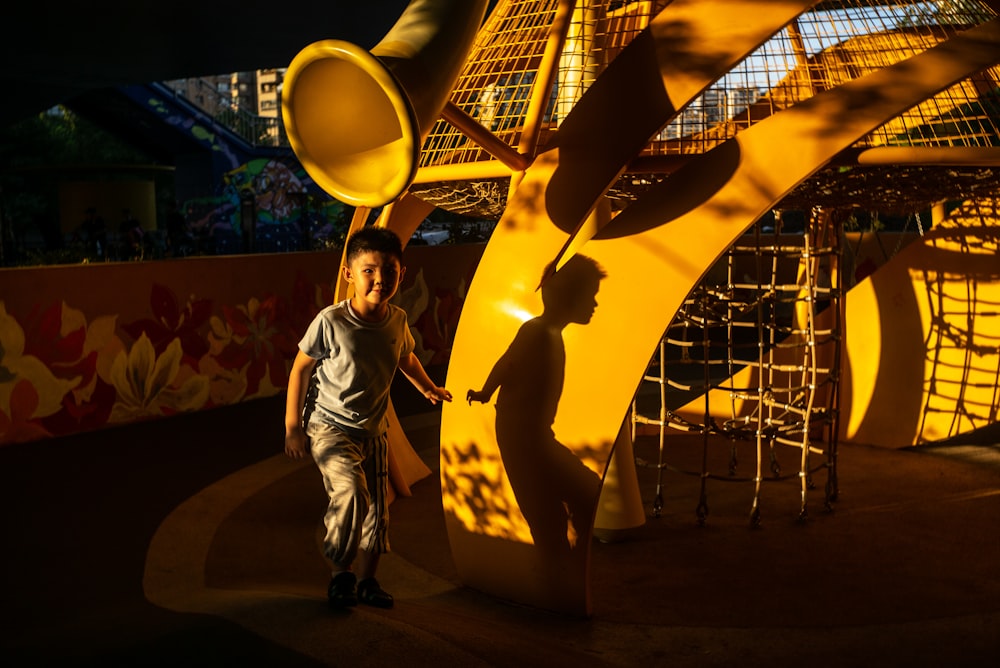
(555, 491)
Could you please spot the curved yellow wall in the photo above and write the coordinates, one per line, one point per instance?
(922, 353)
(654, 253)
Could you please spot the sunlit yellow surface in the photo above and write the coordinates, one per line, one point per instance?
(925, 364)
(676, 254)
(921, 352)
(654, 253)
(330, 81)
(503, 460)
(356, 119)
(554, 199)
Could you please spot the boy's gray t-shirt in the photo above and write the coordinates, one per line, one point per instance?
(356, 361)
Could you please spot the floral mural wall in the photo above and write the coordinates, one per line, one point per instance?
(86, 347)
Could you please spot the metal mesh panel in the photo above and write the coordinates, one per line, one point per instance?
(834, 43)
(496, 82)
(830, 46)
(498, 79)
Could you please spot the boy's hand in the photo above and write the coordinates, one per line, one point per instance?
(437, 394)
(295, 443)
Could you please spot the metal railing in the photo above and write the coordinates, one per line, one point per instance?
(256, 130)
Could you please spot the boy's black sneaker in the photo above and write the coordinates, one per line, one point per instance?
(342, 591)
(370, 593)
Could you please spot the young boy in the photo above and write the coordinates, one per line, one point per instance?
(354, 347)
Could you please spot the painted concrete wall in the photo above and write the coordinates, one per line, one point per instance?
(88, 346)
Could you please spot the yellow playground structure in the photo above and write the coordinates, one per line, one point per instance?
(677, 186)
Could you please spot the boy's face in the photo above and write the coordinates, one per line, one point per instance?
(376, 278)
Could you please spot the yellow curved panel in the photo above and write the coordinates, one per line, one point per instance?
(658, 249)
(654, 253)
(930, 316)
(686, 47)
(405, 466)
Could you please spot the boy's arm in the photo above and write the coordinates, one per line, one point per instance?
(414, 371)
(298, 386)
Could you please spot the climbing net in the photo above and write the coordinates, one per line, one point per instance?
(752, 356)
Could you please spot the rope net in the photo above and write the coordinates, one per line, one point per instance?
(752, 357)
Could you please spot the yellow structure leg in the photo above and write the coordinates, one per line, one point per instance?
(405, 467)
(402, 217)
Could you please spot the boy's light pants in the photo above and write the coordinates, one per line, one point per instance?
(356, 477)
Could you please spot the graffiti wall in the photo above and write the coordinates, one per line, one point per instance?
(263, 204)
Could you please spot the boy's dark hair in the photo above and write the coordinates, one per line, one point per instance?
(374, 239)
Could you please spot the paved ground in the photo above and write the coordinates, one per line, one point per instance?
(190, 541)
